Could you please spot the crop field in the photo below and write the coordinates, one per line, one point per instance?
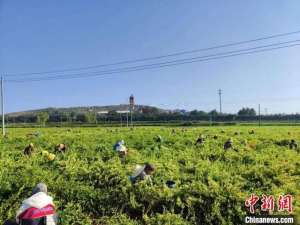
(90, 184)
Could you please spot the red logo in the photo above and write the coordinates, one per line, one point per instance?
(284, 203)
(251, 202)
(267, 203)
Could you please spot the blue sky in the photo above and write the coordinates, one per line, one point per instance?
(48, 35)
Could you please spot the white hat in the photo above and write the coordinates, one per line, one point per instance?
(121, 148)
(138, 170)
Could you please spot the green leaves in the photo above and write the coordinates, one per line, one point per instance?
(90, 184)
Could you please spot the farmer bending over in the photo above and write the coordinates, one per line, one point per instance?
(29, 149)
(121, 148)
(36, 210)
(200, 140)
(293, 144)
(142, 173)
(228, 144)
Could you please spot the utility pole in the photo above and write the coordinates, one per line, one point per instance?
(130, 117)
(259, 114)
(96, 115)
(220, 100)
(2, 107)
(121, 122)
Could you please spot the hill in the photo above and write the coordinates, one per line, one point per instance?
(85, 109)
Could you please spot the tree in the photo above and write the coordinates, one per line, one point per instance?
(80, 117)
(90, 117)
(42, 118)
(247, 112)
(150, 110)
(213, 112)
(194, 112)
(113, 113)
(72, 116)
(198, 113)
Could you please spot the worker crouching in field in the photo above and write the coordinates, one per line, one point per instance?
(142, 173)
(121, 149)
(200, 140)
(293, 144)
(228, 144)
(36, 210)
(29, 149)
(251, 132)
(61, 148)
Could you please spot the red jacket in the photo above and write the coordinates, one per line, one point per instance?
(37, 210)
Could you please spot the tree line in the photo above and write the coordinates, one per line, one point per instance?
(150, 114)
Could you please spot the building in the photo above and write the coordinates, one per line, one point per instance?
(131, 102)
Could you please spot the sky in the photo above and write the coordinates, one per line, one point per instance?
(37, 36)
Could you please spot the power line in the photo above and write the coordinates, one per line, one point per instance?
(157, 57)
(139, 69)
(179, 60)
(240, 102)
(151, 66)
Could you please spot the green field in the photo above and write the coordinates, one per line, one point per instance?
(90, 185)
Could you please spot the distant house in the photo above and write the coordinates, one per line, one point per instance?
(123, 111)
(102, 112)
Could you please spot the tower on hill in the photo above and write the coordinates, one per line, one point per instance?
(131, 102)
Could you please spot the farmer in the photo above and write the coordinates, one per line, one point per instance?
(142, 173)
(36, 210)
(251, 132)
(61, 147)
(29, 149)
(293, 144)
(228, 144)
(121, 148)
(200, 140)
(158, 139)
